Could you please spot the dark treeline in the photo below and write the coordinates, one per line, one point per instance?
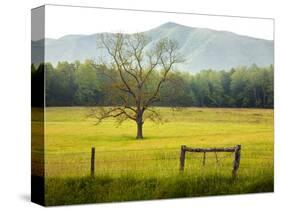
(83, 84)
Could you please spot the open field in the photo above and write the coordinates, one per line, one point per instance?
(129, 169)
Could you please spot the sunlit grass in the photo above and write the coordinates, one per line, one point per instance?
(70, 135)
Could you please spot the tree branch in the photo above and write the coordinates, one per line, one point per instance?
(102, 113)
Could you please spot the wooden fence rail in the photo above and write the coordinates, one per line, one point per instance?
(236, 150)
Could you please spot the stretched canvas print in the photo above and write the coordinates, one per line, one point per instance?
(139, 105)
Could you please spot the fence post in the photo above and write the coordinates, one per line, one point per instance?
(93, 162)
(236, 161)
(182, 157)
(204, 158)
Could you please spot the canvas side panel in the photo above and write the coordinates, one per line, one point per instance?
(37, 105)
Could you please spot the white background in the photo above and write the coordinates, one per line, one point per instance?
(15, 106)
(77, 20)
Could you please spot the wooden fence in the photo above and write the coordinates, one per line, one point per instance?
(236, 150)
(236, 161)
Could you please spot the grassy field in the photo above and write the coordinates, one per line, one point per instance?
(127, 169)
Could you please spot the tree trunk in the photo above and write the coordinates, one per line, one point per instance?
(139, 131)
(139, 120)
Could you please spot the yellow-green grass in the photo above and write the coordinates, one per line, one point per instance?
(150, 167)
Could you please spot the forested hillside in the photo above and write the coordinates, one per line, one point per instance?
(84, 84)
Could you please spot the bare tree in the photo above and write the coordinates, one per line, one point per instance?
(137, 74)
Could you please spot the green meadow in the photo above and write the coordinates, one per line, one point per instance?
(130, 169)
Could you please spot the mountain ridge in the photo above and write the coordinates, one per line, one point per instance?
(202, 48)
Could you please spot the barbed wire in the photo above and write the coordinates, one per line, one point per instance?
(110, 151)
(148, 151)
(136, 158)
(188, 156)
(86, 163)
(152, 159)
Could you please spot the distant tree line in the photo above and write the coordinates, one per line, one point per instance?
(84, 84)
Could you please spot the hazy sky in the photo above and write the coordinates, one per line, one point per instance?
(62, 21)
